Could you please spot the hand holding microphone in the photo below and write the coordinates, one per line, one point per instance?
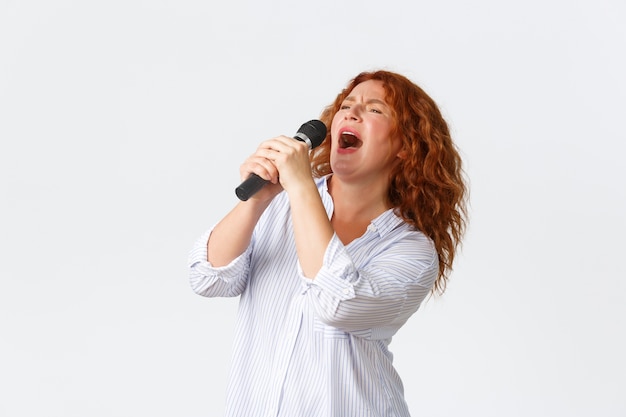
(312, 133)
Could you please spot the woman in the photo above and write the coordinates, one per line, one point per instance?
(329, 266)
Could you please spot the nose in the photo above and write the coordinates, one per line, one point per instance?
(353, 113)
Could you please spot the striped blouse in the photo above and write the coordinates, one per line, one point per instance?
(313, 348)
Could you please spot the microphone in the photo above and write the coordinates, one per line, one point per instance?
(312, 133)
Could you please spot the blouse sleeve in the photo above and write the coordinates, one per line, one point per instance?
(382, 293)
(210, 281)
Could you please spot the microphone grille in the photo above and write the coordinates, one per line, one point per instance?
(315, 130)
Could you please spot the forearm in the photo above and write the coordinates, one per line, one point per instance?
(232, 235)
(312, 228)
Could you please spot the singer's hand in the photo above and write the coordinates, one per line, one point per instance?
(265, 169)
(290, 159)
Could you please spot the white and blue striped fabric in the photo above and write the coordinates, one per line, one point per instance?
(319, 348)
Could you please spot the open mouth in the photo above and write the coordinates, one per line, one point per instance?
(349, 140)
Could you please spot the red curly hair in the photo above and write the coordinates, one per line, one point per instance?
(427, 188)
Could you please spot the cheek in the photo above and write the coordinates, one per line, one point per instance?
(333, 129)
(390, 147)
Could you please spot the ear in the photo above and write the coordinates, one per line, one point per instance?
(402, 154)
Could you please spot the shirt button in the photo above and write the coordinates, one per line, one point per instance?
(371, 228)
(346, 291)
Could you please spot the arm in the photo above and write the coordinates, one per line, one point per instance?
(218, 262)
(232, 235)
(208, 281)
(379, 286)
(312, 228)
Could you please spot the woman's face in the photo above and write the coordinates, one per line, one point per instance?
(361, 142)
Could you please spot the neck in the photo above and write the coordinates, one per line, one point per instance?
(358, 201)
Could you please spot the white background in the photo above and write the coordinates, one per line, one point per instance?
(123, 124)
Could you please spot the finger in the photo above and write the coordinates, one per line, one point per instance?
(260, 166)
(280, 144)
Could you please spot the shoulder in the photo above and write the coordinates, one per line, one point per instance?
(407, 250)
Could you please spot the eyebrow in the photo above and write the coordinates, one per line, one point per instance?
(370, 101)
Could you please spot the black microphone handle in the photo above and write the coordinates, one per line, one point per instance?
(250, 186)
